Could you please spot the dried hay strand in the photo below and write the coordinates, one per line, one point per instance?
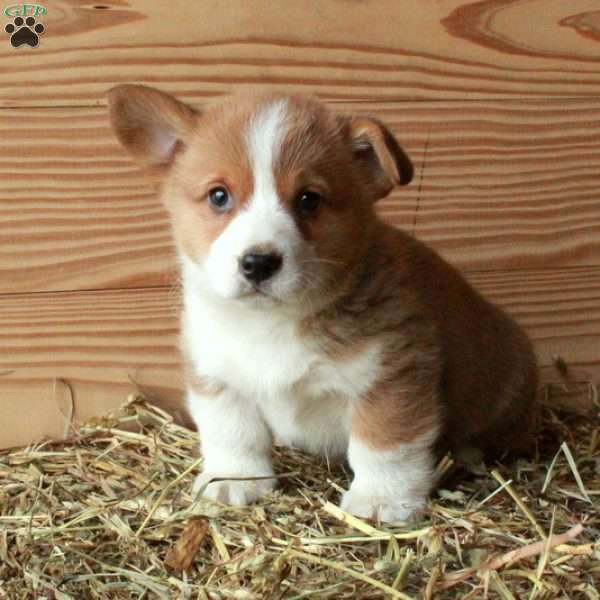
(108, 514)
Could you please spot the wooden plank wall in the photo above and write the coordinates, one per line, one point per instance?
(497, 101)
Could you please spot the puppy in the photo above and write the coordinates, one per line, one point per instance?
(308, 319)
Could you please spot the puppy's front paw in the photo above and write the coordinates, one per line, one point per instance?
(238, 493)
(386, 508)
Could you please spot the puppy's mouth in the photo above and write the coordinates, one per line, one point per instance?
(256, 292)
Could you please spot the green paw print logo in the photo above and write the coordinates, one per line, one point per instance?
(24, 29)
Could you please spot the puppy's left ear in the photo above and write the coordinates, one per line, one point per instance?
(380, 158)
(151, 124)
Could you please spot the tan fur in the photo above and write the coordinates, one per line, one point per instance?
(140, 114)
(393, 415)
(317, 155)
(218, 146)
(451, 361)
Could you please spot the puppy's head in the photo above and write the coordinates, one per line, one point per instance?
(271, 197)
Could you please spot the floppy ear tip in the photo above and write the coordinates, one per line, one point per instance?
(404, 166)
(393, 160)
(407, 172)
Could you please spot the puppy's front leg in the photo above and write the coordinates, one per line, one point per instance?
(235, 442)
(390, 452)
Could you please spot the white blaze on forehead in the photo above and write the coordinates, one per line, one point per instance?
(263, 141)
(265, 220)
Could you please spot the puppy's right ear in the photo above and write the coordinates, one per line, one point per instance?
(379, 156)
(150, 124)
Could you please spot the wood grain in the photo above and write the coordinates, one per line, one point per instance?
(91, 336)
(498, 185)
(74, 211)
(93, 344)
(96, 343)
(560, 308)
(340, 49)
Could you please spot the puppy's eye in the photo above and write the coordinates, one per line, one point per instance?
(308, 202)
(219, 199)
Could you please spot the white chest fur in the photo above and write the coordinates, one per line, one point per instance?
(304, 396)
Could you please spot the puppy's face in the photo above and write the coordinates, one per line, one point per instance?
(271, 197)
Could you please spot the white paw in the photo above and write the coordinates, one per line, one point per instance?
(384, 508)
(238, 493)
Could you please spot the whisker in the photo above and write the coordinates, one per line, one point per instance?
(316, 261)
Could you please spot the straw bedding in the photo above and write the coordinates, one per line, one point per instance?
(108, 514)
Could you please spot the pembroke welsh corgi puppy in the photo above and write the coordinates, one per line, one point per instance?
(308, 319)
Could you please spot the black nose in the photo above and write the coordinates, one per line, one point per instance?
(259, 267)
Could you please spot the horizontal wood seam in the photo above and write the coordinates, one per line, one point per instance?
(354, 101)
